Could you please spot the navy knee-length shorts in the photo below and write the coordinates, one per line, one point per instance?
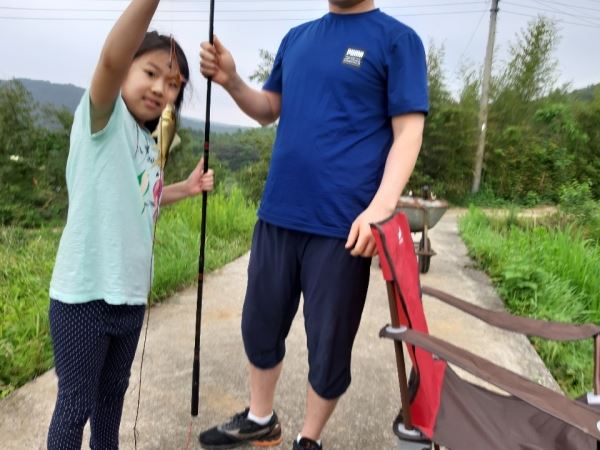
(284, 264)
(94, 345)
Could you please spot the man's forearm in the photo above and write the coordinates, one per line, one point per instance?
(262, 106)
(400, 162)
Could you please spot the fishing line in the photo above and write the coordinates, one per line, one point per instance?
(162, 158)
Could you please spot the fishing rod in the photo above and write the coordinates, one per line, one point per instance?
(196, 367)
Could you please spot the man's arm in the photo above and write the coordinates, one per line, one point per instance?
(262, 106)
(217, 62)
(408, 136)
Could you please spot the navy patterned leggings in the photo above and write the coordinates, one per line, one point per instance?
(94, 345)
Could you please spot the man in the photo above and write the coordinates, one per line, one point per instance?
(350, 92)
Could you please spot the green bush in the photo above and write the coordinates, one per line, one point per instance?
(230, 220)
(577, 204)
(542, 272)
(575, 199)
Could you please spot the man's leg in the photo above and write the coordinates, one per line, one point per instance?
(262, 389)
(272, 298)
(318, 411)
(335, 285)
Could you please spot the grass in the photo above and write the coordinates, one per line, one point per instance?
(27, 258)
(230, 220)
(546, 272)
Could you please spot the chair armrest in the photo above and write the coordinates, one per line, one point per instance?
(576, 414)
(556, 331)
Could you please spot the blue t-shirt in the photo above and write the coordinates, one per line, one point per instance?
(341, 79)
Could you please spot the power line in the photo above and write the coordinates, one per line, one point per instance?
(570, 5)
(246, 1)
(558, 20)
(200, 20)
(180, 11)
(590, 21)
(20, 8)
(203, 1)
(472, 35)
(551, 11)
(220, 1)
(275, 19)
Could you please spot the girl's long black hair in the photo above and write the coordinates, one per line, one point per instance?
(155, 41)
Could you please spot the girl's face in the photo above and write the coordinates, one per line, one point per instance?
(150, 85)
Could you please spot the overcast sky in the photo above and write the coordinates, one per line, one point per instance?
(60, 40)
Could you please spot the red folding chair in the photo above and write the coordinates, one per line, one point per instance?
(439, 407)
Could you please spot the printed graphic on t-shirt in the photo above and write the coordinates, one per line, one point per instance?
(149, 175)
(353, 57)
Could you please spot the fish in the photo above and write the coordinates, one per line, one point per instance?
(165, 134)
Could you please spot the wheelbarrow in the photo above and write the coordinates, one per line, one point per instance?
(422, 215)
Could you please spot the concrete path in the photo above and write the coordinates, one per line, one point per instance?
(364, 415)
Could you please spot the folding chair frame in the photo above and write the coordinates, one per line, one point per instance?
(573, 413)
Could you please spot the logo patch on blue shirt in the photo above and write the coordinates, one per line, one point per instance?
(353, 57)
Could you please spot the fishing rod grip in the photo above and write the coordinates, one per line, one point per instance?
(195, 385)
(207, 126)
(198, 328)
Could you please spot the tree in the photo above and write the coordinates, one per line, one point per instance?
(16, 119)
(261, 74)
(587, 160)
(529, 75)
(531, 72)
(252, 177)
(449, 136)
(32, 158)
(517, 152)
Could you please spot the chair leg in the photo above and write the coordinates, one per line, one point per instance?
(408, 445)
(400, 364)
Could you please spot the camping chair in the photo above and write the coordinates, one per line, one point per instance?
(439, 407)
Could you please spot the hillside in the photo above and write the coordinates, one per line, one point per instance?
(586, 93)
(68, 96)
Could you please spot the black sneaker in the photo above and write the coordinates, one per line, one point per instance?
(306, 444)
(239, 431)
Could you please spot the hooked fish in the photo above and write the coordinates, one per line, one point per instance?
(165, 134)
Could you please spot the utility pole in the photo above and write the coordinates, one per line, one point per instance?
(485, 92)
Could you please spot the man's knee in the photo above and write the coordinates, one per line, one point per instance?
(329, 387)
(262, 356)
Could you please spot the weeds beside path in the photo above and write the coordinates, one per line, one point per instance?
(27, 257)
(545, 269)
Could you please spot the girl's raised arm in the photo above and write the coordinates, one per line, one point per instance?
(117, 54)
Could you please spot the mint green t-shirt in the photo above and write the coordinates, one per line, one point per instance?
(114, 185)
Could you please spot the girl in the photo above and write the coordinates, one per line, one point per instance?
(102, 274)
